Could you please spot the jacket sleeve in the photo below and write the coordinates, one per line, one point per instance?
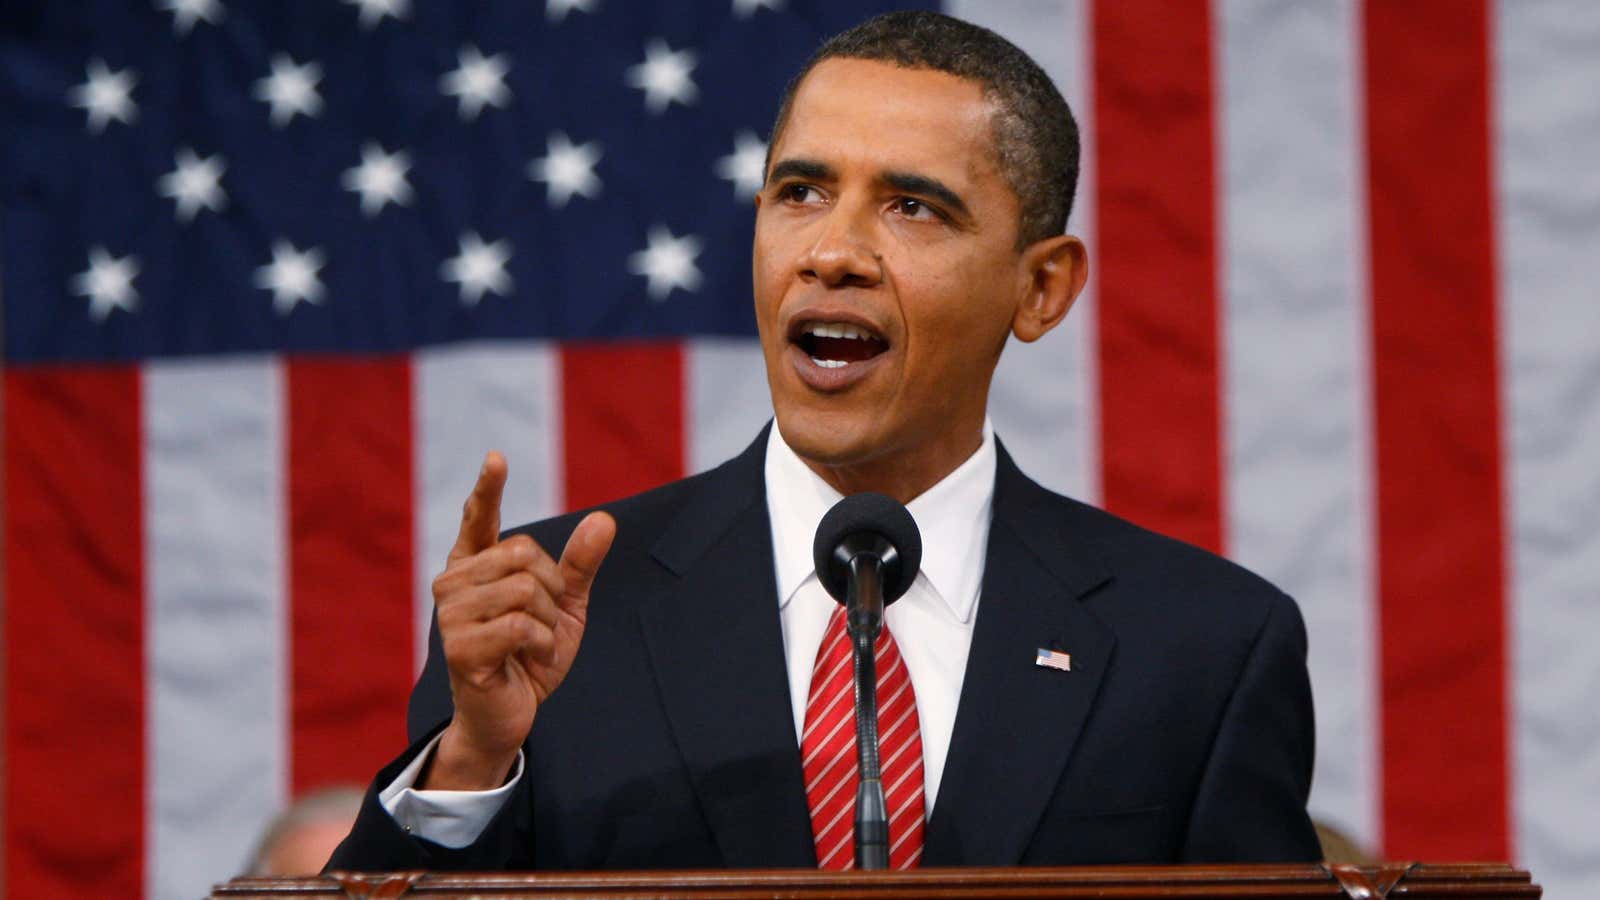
(1251, 802)
(378, 843)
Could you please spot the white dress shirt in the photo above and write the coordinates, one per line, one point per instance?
(932, 623)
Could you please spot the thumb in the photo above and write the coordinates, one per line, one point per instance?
(585, 550)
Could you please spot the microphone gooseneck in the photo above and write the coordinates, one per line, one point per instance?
(867, 552)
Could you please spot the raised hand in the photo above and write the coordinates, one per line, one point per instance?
(510, 619)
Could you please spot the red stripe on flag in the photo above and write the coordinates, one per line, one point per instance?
(350, 562)
(1160, 419)
(1440, 539)
(622, 420)
(74, 654)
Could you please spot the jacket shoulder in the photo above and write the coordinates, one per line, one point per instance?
(1152, 575)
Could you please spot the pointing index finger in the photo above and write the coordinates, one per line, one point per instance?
(480, 516)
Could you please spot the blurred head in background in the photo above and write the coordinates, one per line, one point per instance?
(301, 838)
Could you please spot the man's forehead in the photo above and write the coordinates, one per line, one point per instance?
(901, 116)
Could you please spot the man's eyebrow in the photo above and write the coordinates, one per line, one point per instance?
(808, 169)
(911, 183)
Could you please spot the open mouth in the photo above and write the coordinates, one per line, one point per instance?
(834, 345)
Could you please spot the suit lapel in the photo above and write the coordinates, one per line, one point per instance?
(716, 647)
(1016, 722)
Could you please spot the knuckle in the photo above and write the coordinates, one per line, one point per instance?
(521, 556)
(443, 585)
(523, 551)
(524, 585)
(520, 628)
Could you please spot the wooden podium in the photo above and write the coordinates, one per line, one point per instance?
(1477, 880)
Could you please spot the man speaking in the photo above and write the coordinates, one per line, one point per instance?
(1057, 686)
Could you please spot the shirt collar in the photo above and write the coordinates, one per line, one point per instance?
(953, 517)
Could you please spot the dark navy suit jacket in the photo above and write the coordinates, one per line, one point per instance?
(1183, 732)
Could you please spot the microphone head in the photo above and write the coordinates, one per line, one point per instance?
(872, 523)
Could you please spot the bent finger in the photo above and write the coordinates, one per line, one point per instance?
(521, 591)
(482, 649)
(518, 553)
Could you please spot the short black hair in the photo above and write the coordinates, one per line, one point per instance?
(1035, 135)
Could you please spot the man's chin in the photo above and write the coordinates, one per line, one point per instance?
(828, 438)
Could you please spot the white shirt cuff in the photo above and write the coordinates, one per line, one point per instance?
(452, 818)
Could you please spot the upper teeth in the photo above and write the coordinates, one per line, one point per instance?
(838, 330)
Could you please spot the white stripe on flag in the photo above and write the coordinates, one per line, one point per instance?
(216, 642)
(470, 399)
(1547, 140)
(728, 399)
(1295, 328)
(1042, 400)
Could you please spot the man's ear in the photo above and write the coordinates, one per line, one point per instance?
(1054, 271)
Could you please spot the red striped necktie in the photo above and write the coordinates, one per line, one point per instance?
(828, 748)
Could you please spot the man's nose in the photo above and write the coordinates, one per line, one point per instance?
(844, 253)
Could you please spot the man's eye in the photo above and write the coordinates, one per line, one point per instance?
(912, 208)
(798, 193)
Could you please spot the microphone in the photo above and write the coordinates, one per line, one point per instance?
(867, 552)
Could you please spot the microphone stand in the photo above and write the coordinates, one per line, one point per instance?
(864, 619)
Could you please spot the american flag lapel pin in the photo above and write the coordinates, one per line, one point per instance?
(1054, 659)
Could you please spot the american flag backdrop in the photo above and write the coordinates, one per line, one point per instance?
(276, 274)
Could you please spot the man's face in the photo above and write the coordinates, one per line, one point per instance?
(886, 267)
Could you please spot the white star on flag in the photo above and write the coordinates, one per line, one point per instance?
(373, 11)
(479, 267)
(187, 12)
(108, 283)
(664, 76)
(667, 263)
(195, 184)
(556, 10)
(477, 81)
(290, 89)
(106, 95)
(746, 166)
(291, 276)
(747, 8)
(566, 169)
(380, 179)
